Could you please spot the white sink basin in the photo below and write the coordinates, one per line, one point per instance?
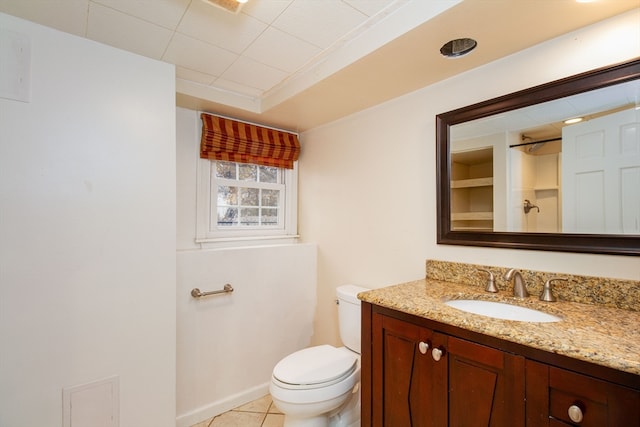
(501, 310)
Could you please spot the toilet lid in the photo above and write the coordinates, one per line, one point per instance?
(314, 365)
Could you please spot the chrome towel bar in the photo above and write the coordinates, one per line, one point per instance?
(195, 292)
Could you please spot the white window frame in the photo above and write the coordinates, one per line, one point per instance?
(207, 233)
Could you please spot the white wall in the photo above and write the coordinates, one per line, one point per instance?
(229, 344)
(87, 231)
(367, 182)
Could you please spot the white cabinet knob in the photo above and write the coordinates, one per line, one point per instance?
(423, 347)
(436, 353)
(575, 413)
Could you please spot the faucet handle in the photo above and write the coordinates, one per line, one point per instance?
(547, 292)
(491, 284)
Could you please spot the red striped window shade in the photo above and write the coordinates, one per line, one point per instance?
(234, 141)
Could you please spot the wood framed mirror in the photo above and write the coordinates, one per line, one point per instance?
(481, 204)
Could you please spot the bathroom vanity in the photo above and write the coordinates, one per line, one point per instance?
(425, 363)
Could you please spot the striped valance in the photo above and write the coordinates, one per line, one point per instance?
(233, 141)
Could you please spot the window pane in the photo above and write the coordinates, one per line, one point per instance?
(249, 216)
(249, 196)
(227, 216)
(269, 216)
(226, 170)
(268, 174)
(227, 195)
(245, 199)
(270, 197)
(248, 172)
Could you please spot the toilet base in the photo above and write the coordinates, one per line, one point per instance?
(309, 415)
(346, 415)
(349, 414)
(320, 421)
(315, 422)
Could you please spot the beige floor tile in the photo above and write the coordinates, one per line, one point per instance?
(238, 419)
(203, 423)
(273, 409)
(273, 420)
(259, 413)
(258, 405)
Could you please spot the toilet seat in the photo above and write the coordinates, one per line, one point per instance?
(314, 367)
(314, 396)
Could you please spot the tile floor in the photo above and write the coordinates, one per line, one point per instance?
(259, 413)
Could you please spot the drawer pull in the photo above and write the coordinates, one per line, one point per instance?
(423, 347)
(575, 413)
(437, 353)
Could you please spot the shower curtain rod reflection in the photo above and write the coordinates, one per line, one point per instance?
(542, 141)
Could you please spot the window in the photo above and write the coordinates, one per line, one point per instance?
(247, 195)
(247, 181)
(245, 201)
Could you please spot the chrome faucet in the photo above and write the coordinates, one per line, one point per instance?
(519, 288)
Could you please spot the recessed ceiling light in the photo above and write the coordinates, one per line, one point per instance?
(458, 47)
(573, 120)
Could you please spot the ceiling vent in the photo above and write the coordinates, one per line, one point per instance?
(232, 6)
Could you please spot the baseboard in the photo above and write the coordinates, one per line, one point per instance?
(218, 407)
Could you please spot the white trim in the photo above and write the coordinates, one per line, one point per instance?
(203, 197)
(241, 239)
(203, 205)
(245, 242)
(291, 203)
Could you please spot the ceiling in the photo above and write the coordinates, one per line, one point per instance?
(546, 120)
(297, 64)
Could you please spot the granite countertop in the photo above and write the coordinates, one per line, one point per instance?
(598, 334)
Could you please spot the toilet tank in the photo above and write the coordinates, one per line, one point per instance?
(349, 315)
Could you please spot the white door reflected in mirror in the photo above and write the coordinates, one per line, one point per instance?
(582, 178)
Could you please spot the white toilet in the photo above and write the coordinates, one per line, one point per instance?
(320, 386)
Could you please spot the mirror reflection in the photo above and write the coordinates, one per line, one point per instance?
(532, 170)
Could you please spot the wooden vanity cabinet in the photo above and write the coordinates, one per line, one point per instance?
(469, 383)
(425, 378)
(556, 395)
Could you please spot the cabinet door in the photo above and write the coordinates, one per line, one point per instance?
(423, 378)
(557, 397)
(408, 388)
(486, 386)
